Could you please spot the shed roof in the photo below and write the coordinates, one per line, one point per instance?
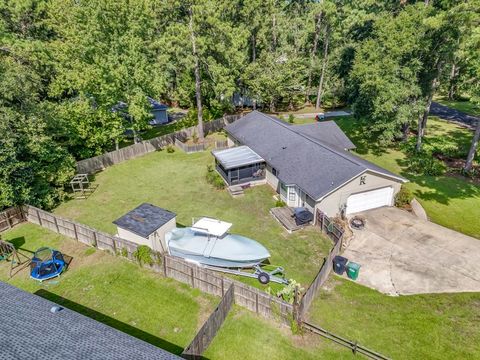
(315, 166)
(145, 219)
(156, 105)
(29, 330)
(236, 157)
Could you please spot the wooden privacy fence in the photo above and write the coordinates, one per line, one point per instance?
(213, 283)
(336, 234)
(80, 232)
(98, 163)
(210, 328)
(190, 148)
(11, 217)
(328, 227)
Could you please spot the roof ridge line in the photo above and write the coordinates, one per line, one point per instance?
(318, 142)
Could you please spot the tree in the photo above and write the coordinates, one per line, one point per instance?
(33, 168)
(105, 54)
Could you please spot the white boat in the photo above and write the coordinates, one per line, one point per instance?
(208, 242)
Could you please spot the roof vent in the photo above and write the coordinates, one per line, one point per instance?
(284, 147)
(55, 309)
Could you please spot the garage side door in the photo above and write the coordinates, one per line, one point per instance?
(370, 200)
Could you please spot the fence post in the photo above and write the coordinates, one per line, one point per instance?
(9, 222)
(256, 303)
(223, 287)
(95, 239)
(193, 277)
(164, 261)
(56, 224)
(75, 231)
(39, 219)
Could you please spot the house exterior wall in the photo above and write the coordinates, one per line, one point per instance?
(160, 116)
(272, 180)
(156, 240)
(332, 204)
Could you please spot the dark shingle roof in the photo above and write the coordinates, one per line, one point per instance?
(315, 166)
(327, 132)
(144, 219)
(156, 105)
(28, 330)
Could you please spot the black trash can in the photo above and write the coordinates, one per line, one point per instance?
(339, 264)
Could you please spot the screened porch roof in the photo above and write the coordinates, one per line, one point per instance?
(237, 157)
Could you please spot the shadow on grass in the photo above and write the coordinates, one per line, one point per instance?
(107, 320)
(358, 132)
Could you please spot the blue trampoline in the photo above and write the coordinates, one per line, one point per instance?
(46, 264)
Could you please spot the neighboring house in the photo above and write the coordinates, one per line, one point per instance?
(308, 165)
(158, 110)
(147, 225)
(35, 328)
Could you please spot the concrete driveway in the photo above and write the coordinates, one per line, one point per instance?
(402, 254)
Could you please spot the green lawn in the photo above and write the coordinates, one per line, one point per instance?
(465, 106)
(176, 182)
(440, 326)
(245, 336)
(114, 291)
(451, 201)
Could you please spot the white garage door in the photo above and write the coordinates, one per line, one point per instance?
(369, 200)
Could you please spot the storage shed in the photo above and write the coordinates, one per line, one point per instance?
(147, 225)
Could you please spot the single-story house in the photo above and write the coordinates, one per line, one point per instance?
(147, 225)
(308, 165)
(35, 328)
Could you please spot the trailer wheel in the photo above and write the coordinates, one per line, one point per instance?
(264, 278)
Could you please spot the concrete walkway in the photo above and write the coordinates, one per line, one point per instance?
(403, 254)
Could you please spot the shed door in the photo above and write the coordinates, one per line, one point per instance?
(370, 200)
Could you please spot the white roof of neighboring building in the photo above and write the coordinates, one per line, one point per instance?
(236, 157)
(211, 226)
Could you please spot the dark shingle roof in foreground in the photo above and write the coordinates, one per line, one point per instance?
(144, 219)
(28, 330)
(315, 166)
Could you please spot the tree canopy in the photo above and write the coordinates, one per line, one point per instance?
(76, 75)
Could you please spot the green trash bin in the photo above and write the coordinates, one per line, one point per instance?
(352, 270)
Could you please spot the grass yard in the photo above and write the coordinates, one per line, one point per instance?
(176, 181)
(465, 106)
(451, 201)
(439, 326)
(245, 336)
(114, 291)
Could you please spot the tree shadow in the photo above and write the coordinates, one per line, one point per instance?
(363, 138)
(107, 320)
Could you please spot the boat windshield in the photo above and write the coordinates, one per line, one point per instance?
(211, 226)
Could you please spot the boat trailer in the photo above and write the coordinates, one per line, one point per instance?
(263, 276)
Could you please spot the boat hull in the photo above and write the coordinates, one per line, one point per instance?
(229, 251)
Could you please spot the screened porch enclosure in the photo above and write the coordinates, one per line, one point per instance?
(239, 165)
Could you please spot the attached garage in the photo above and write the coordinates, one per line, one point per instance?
(369, 200)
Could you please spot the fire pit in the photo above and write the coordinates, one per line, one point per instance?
(357, 223)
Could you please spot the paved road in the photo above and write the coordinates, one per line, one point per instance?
(403, 254)
(446, 113)
(327, 114)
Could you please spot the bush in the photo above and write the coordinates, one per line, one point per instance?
(291, 118)
(280, 203)
(288, 292)
(214, 178)
(143, 254)
(404, 197)
(170, 149)
(425, 164)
